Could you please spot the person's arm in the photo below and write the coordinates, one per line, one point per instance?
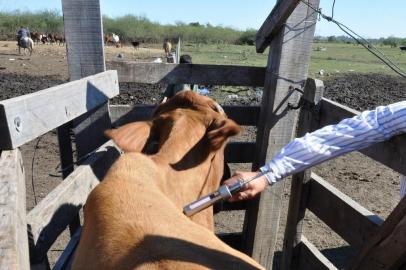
(331, 141)
(350, 134)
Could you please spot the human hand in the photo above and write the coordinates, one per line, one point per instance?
(250, 190)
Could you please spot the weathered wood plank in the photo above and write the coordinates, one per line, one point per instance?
(387, 248)
(123, 114)
(13, 223)
(51, 216)
(332, 112)
(338, 210)
(188, 73)
(239, 152)
(287, 66)
(391, 153)
(84, 37)
(311, 257)
(85, 52)
(273, 23)
(65, 260)
(178, 51)
(24, 118)
(313, 93)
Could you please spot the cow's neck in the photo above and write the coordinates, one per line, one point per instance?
(185, 181)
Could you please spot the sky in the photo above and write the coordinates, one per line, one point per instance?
(368, 18)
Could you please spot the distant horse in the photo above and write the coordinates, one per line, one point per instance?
(116, 38)
(113, 39)
(25, 43)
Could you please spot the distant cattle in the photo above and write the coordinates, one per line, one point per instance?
(44, 39)
(36, 36)
(136, 44)
(50, 38)
(59, 38)
(112, 39)
(167, 46)
(133, 219)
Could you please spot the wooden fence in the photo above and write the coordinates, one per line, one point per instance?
(82, 106)
(370, 236)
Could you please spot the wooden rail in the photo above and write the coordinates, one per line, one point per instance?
(51, 216)
(24, 118)
(189, 73)
(311, 257)
(350, 220)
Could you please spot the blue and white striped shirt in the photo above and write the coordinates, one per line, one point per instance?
(331, 141)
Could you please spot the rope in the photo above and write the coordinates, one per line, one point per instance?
(332, 9)
(32, 170)
(360, 40)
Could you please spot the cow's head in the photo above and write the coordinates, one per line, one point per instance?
(188, 133)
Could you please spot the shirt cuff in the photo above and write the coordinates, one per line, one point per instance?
(270, 177)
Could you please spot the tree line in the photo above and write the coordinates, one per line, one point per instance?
(140, 28)
(129, 28)
(389, 41)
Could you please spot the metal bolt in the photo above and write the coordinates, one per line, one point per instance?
(17, 124)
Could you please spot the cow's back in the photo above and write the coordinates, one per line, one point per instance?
(133, 225)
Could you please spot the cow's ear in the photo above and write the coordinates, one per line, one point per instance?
(220, 130)
(130, 137)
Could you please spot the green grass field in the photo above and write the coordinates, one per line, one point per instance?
(336, 58)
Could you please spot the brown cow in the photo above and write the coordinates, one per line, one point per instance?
(59, 38)
(36, 36)
(133, 219)
(50, 38)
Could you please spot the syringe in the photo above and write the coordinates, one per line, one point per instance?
(222, 193)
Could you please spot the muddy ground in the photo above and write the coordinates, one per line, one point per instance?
(369, 183)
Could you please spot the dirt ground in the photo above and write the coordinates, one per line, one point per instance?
(367, 182)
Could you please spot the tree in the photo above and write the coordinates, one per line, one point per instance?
(331, 39)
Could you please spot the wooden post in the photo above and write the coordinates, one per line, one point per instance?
(85, 53)
(13, 223)
(67, 166)
(178, 51)
(298, 193)
(84, 41)
(288, 64)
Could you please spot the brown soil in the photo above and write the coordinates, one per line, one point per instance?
(367, 182)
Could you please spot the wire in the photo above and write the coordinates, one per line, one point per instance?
(360, 40)
(32, 170)
(332, 9)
